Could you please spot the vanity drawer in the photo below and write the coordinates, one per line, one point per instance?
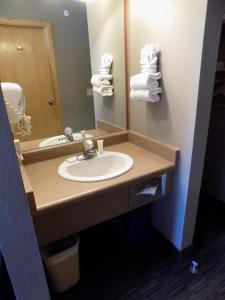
(142, 193)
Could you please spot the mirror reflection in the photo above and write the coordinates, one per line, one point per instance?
(65, 60)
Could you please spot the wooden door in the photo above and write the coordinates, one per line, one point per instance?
(27, 58)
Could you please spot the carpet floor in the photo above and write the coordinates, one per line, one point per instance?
(121, 260)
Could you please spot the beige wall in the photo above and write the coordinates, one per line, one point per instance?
(106, 34)
(178, 28)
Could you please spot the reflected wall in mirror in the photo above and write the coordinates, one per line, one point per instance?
(52, 50)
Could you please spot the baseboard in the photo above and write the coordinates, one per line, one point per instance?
(178, 256)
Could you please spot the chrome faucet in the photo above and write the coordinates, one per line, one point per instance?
(89, 151)
(68, 132)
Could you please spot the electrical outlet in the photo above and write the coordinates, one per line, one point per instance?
(90, 92)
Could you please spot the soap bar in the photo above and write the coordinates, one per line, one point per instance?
(71, 159)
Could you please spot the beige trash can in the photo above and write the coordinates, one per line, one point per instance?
(62, 263)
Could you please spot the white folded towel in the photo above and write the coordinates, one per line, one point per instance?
(100, 82)
(146, 95)
(150, 62)
(149, 69)
(143, 81)
(97, 80)
(101, 77)
(104, 71)
(104, 90)
(106, 60)
(155, 76)
(149, 54)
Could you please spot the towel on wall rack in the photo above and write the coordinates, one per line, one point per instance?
(145, 95)
(145, 86)
(101, 82)
(104, 90)
(144, 81)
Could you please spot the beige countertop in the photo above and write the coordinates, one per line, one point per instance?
(52, 191)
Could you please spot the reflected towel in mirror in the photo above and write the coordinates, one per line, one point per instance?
(104, 90)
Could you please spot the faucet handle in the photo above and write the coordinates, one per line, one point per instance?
(83, 133)
(88, 145)
(68, 131)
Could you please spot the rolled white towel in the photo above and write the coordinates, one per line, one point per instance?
(149, 53)
(155, 76)
(104, 90)
(149, 62)
(145, 95)
(149, 69)
(143, 81)
(106, 60)
(97, 79)
(100, 82)
(104, 71)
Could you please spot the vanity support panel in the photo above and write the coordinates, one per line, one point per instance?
(58, 223)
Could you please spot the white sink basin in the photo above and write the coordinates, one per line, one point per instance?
(61, 139)
(105, 166)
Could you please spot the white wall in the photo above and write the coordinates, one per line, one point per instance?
(178, 28)
(106, 34)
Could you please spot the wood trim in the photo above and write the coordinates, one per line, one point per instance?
(52, 63)
(168, 152)
(23, 23)
(126, 63)
(109, 127)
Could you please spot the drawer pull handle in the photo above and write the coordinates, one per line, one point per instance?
(149, 191)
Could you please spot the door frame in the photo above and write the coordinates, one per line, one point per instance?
(46, 26)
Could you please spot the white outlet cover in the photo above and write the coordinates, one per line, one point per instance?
(90, 92)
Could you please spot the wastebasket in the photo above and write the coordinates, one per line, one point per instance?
(61, 259)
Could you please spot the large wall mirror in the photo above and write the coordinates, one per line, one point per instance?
(52, 48)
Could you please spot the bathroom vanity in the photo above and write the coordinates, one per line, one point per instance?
(61, 207)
